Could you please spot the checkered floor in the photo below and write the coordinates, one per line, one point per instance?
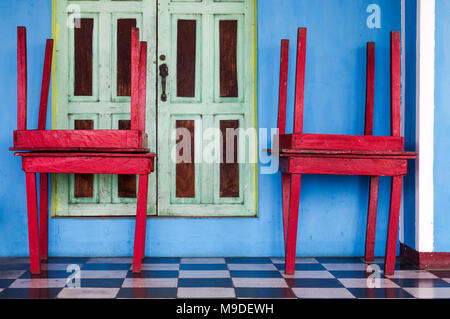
(220, 278)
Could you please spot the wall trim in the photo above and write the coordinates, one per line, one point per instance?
(425, 125)
(425, 260)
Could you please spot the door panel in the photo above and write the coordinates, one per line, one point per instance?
(92, 85)
(209, 48)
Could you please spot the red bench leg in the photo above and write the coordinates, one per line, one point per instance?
(33, 232)
(291, 242)
(372, 218)
(141, 220)
(391, 244)
(43, 215)
(286, 189)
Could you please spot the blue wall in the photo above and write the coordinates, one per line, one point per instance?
(441, 129)
(333, 209)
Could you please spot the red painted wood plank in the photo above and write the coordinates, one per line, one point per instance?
(286, 194)
(43, 215)
(372, 218)
(395, 84)
(291, 243)
(80, 139)
(347, 154)
(33, 232)
(83, 154)
(370, 88)
(341, 142)
(142, 86)
(282, 97)
(135, 78)
(300, 81)
(343, 166)
(141, 220)
(45, 84)
(21, 78)
(88, 164)
(394, 211)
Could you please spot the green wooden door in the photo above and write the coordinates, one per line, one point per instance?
(91, 90)
(209, 48)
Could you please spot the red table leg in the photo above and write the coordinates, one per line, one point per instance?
(286, 189)
(33, 233)
(291, 243)
(391, 244)
(43, 215)
(372, 218)
(141, 220)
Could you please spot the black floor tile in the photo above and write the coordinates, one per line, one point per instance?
(264, 293)
(303, 267)
(95, 266)
(162, 260)
(46, 274)
(421, 283)
(353, 274)
(385, 293)
(441, 273)
(4, 283)
(101, 282)
(339, 260)
(205, 282)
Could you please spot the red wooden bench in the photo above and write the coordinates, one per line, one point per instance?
(370, 155)
(84, 152)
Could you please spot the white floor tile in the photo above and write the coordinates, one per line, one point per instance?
(84, 293)
(336, 266)
(319, 293)
(367, 283)
(160, 266)
(260, 282)
(299, 260)
(412, 274)
(206, 293)
(429, 293)
(11, 274)
(204, 274)
(308, 274)
(39, 283)
(103, 274)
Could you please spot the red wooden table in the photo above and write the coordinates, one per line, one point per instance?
(369, 155)
(99, 151)
(83, 163)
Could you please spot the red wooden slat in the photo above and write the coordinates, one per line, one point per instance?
(45, 84)
(282, 97)
(372, 218)
(291, 242)
(286, 193)
(394, 211)
(33, 232)
(343, 166)
(43, 215)
(141, 220)
(86, 164)
(142, 86)
(370, 88)
(135, 78)
(21, 78)
(80, 139)
(300, 81)
(341, 142)
(395, 84)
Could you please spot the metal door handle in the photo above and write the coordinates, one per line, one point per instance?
(163, 73)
